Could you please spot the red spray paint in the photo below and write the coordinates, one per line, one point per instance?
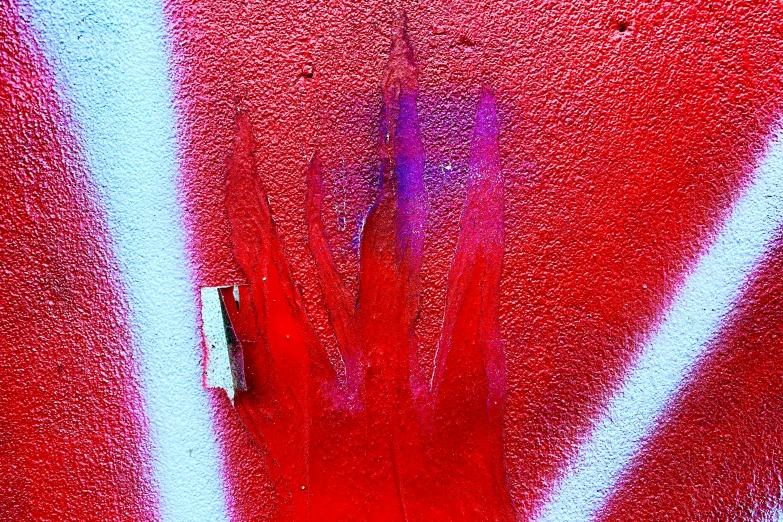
(627, 132)
(71, 428)
(377, 441)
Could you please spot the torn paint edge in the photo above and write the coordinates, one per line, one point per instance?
(224, 365)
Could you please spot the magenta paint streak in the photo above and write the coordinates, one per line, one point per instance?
(481, 241)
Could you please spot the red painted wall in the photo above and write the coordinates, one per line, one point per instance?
(72, 440)
(627, 131)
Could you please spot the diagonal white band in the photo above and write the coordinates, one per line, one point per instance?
(691, 322)
(111, 63)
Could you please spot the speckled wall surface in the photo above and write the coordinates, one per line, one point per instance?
(640, 151)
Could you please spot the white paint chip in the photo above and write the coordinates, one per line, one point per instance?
(218, 367)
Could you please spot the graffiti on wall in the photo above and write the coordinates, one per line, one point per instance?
(514, 262)
(379, 434)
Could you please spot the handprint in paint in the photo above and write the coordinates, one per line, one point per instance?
(376, 439)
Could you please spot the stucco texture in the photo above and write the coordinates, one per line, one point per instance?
(638, 149)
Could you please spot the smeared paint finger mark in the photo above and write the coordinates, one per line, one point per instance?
(481, 242)
(272, 328)
(389, 285)
(401, 148)
(340, 305)
(469, 382)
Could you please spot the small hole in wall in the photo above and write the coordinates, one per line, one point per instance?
(466, 40)
(622, 27)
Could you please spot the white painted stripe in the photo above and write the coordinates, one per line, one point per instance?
(110, 58)
(774, 514)
(690, 323)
